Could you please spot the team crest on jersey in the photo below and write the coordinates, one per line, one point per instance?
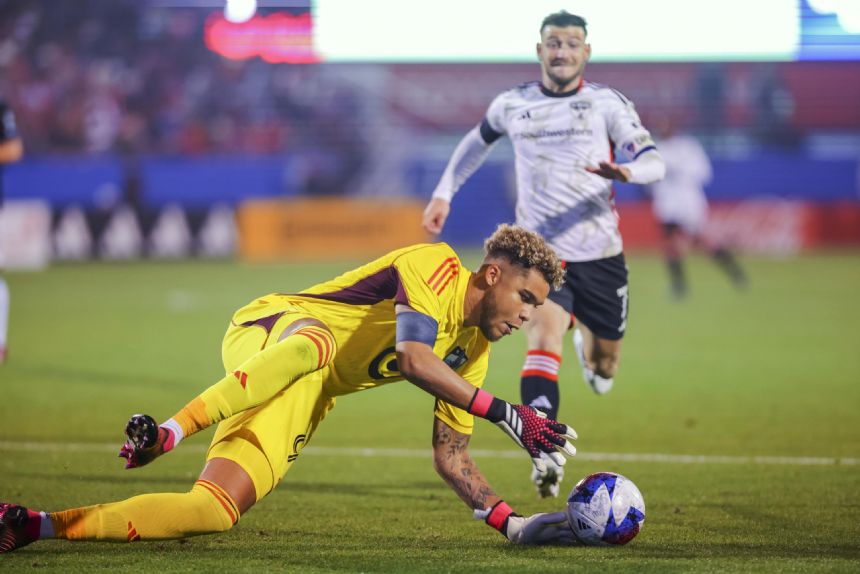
(580, 107)
(456, 358)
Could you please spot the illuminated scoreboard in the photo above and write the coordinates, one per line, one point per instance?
(495, 31)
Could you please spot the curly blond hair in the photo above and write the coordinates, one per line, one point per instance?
(526, 249)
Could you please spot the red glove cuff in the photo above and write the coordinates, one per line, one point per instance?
(486, 406)
(481, 402)
(498, 516)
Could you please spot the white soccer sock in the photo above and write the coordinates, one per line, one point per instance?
(46, 527)
(173, 426)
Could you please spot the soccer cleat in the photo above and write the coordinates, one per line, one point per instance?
(598, 384)
(146, 441)
(548, 482)
(14, 531)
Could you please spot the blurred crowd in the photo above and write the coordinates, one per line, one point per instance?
(117, 76)
(130, 77)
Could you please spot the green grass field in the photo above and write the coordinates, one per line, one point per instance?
(761, 388)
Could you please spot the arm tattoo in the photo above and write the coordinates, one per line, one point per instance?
(457, 469)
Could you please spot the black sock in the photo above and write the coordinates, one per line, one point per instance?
(540, 393)
(676, 276)
(729, 264)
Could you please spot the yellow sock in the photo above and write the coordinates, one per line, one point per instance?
(258, 379)
(203, 510)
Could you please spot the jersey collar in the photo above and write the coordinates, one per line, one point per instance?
(572, 92)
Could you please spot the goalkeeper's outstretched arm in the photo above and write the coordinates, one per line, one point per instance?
(452, 461)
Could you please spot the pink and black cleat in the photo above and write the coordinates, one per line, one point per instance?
(18, 527)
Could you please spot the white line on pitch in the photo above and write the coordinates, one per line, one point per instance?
(477, 453)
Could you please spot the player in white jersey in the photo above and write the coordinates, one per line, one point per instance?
(680, 205)
(566, 133)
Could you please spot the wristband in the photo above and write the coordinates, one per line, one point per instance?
(498, 516)
(174, 434)
(486, 406)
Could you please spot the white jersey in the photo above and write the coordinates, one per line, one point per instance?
(555, 137)
(680, 197)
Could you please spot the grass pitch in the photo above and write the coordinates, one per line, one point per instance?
(761, 389)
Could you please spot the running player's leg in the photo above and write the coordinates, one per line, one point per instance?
(673, 253)
(602, 356)
(600, 304)
(724, 259)
(539, 379)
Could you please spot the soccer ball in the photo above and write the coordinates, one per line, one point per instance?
(605, 509)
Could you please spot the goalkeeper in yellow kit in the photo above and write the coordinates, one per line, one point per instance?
(414, 314)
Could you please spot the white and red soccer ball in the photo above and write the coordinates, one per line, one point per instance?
(605, 509)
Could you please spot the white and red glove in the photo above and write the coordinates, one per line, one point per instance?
(540, 528)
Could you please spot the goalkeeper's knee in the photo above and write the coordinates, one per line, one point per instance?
(320, 344)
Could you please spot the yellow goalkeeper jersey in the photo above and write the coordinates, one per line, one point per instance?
(358, 308)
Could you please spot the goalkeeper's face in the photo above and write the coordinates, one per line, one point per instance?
(511, 299)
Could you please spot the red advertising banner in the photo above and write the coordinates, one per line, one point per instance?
(766, 227)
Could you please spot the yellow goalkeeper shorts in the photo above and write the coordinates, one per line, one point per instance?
(267, 439)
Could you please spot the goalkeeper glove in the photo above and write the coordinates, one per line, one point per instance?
(536, 529)
(146, 441)
(529, 427)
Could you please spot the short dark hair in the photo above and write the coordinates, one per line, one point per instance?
(563, 19)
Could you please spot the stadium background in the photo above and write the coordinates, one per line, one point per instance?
(154, 137)
(131, 117)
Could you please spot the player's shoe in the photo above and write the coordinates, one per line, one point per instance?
(14, 532)
(146, 441)
(598, 384)
(549, 481)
